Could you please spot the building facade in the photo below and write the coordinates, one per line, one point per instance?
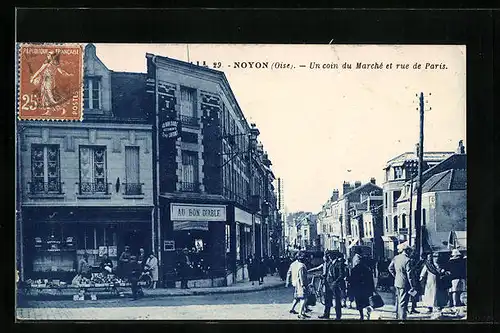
(87, 187)
(214, 182)
(443, 204)
(398, 171)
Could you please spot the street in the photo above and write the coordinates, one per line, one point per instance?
(270, 304)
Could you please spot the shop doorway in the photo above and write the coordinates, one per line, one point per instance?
(136, 239)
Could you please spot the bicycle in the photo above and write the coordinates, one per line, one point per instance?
(318, 285)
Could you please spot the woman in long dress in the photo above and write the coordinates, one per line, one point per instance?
(436, 285)
(152, 267)
(362, 286)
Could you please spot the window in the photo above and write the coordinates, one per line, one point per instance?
(132, 180)
(395, 197)
(188, 100)
(45, 169)
(92, 93)
(189, 171)
(93, 170)
(385, 200)
(398, 172)
(395, 226)
(386, 224)
(424, 216)
(403, 221)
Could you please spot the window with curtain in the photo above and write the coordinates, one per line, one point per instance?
(93, 170)
(45, 169)
(188, 101)
(132, 179)
(92, 93)
(189, 171)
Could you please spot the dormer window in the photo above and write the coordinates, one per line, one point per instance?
(92, 93)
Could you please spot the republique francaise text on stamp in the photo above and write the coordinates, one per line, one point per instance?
(50, 82)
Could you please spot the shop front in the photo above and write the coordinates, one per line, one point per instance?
(56, 239)
(197, 244)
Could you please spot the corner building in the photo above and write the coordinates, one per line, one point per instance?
(211, 173)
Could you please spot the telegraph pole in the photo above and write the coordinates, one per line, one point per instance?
(418, 213)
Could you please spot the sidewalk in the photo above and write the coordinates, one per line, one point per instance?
(238, 287)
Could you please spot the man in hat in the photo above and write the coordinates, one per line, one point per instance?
(335, 279)
(297, 277)
(401, 268)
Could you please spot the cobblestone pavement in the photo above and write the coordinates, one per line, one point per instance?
(271, 304)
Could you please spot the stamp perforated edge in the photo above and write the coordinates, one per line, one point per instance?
(18, 69)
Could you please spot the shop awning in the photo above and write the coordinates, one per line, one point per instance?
(190, 225)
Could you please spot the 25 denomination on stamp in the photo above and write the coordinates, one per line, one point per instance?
(50, 82)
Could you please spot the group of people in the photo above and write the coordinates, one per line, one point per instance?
(440, 281)
(341, 282)
(135, 266)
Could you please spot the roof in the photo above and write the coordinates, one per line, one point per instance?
(430, 156)
(361, 187)
(128, 95)
(450, 180)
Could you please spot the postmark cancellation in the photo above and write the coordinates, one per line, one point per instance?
(50, 82)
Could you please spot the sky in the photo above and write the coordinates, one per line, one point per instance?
(324, 126)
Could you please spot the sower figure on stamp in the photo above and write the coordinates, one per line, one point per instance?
(45, 77)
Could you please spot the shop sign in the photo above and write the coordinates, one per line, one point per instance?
(169, 245)
(242, 217)
(188, 212)
(170, 129)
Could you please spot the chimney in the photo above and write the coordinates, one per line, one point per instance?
(373, 181)
(346, 187)
(357, 184)
(461, 148)
(335, 195)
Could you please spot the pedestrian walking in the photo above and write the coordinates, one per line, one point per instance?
(185, 265)
(416, 263)
(324, 267)
(152, 267)
(297, 277)
(141, 258)
(134, 273)
(335, 278)
(458, 269)
(123, 261)
(84, 267)
(252, 270)
(437, 282)
(400, 268)
(261, 269)
(362, 286)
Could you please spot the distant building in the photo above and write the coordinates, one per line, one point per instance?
(444, 205)
(397, 173)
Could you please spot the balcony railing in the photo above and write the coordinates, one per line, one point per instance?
(93, 188)
(45, 188)
(133, 188)
(189, 121)
(190, 187)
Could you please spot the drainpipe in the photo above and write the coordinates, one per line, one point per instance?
(156, 168)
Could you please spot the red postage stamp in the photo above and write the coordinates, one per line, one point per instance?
(50, 82)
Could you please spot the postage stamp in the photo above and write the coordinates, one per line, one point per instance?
(50, 85)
